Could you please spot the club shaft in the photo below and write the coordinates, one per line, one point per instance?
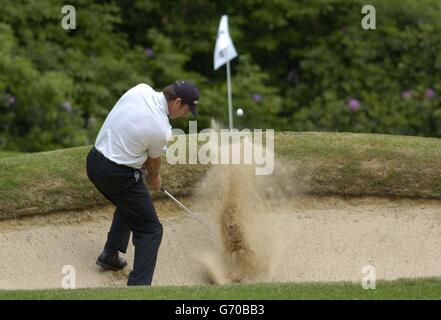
(188, 211)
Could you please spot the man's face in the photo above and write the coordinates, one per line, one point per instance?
(177, 109)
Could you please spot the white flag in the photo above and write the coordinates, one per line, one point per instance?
(224, 50)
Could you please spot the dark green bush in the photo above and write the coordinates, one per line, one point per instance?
(303, 65)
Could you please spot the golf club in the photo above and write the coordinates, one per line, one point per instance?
(188, 211)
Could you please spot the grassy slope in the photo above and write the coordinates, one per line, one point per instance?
(364, 164)
(321, 163)
(400, 289)
(5, 154)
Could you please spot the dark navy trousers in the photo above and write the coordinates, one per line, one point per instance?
(134, 213)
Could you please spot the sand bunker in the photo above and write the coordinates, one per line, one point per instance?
(323, 239)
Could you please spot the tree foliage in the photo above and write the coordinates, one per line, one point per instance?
(302, 65)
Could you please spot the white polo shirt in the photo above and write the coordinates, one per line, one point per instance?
(136, 128)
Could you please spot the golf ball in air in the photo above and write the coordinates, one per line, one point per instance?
(239, 112)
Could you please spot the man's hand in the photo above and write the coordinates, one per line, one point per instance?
(154, 182)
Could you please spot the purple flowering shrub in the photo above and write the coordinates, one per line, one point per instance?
(376, 81)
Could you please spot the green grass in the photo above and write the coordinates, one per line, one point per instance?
(385, 290)
(319, 163)
(5, 154)
(364, 164)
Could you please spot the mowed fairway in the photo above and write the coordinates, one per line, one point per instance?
(400, 289)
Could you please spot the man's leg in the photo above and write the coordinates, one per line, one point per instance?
(118, 235)
(107, 178)
(129, 194)
(136, 206)
(146, 239)
(146, 252)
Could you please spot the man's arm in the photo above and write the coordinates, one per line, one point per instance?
(153, 165)
(156, 149)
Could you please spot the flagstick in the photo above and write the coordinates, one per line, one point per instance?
(230, 99)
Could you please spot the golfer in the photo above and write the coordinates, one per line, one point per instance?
(132, 139)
